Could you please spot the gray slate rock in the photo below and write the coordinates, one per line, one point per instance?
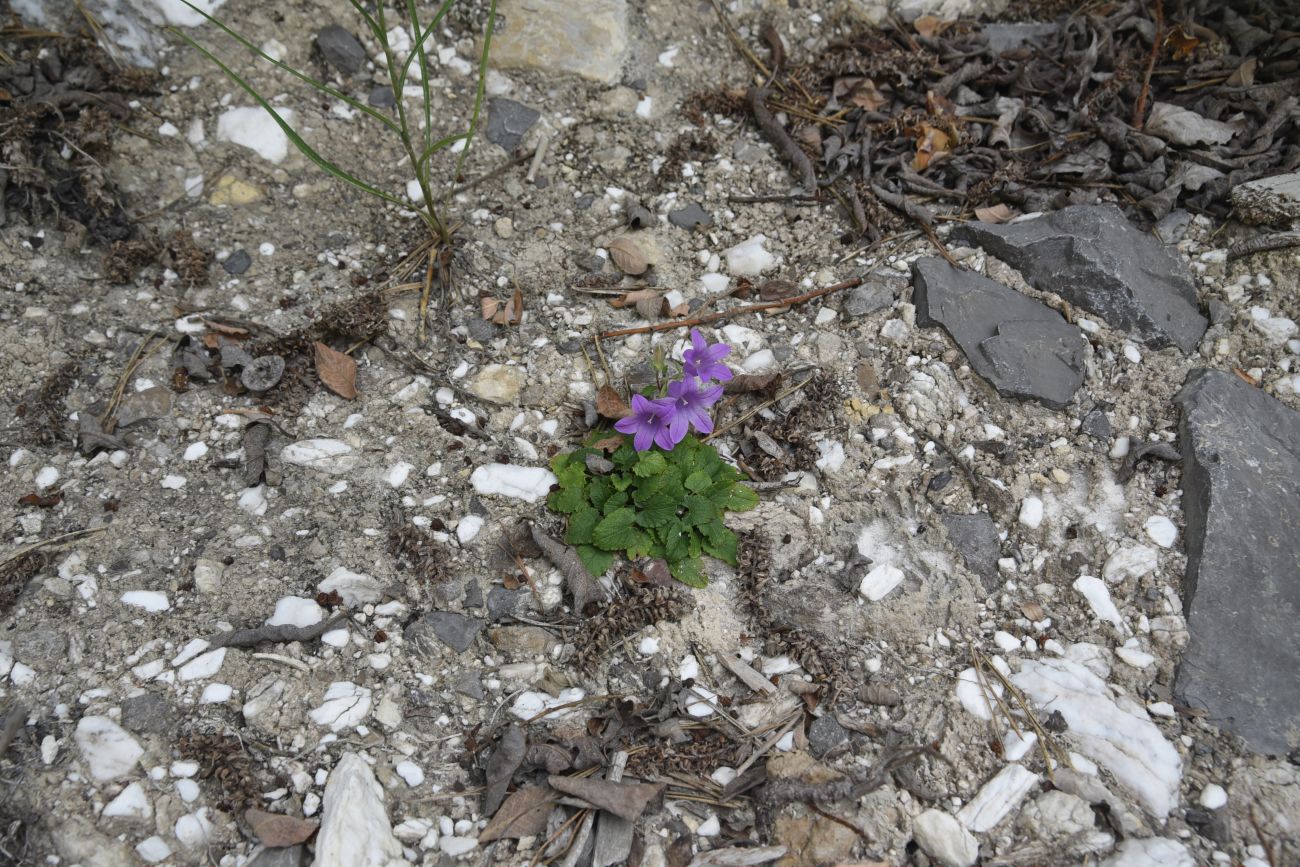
(868, 298)
(1022, 347)
(237, 262)
(1096, 424)
(825, 734)
(1241, 498)
(503, 603)
(976, 539)
(289, 856)
(1094, 258)
(382, 97)
(148, 713)
(508, 121)
(454, 630)
(340, 49)
(690, 216)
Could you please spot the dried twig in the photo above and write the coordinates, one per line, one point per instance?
(1264, 243)
(1140, 106)
(756, 99)
(276, 634)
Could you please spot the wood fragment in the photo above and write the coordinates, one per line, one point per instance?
(613, 833)
(1264, 243)
(756, 99)
(276, 634)
(746, 674)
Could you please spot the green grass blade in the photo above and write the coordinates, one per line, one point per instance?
(437, 146)
(482, 86)
(318, 85)
(292, 134)
(424, 37)
(375, 30)
(418, 50)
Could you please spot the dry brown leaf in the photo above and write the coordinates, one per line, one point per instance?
(775, 290)
(608, 445)
(277, 830)
(610, 405)
(500, 312)
(522, 815)
(625, 800)
(225, 328)
(650, 308)
(48, 501)
(1244, 75)
(677, 312)
(1180, 43)
(867, 96)
(927, 25)
(628, 257)
(652, 571)
(940, 106)
(1032, 610)
(631, 299)
(1000, 213)
(931, 142)
(337, 371)
(505, 760)
(747, 382)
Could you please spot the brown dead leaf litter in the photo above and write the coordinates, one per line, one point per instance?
(246, 542)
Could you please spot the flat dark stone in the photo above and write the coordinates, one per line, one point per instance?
(382, 97)
(1241, 501)
(469, 684)
(825, 734)
(508, 121)
(42, 649)
(237, 262)
(976, 539)
(288, 856)
(340, 49)
(690, 216)
(148, 713)
(452, 629)
(503, 603)
(868, 298)
(1022, 347)
(1093, 257)
(1096, 424)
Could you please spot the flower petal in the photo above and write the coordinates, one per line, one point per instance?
(643, 440)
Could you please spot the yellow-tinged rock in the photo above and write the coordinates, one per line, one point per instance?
(232, 191)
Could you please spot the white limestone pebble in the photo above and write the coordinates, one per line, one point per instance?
(194, 829)
(973, 693)
(202, 667)
(410, 772)
(130, 803)
(649, 646)
(831, 455)
(456, 846)
(1161, 530)
(173, 482)
(1278, 329)
(944, 839)
(152, 601)
(324, 454)
(1134, 655)
(1150, 852)
(344, 706)
(153, 849)
(1094, 591)
(468, 527)
(710, 827)
(998, 797)
(356, 588)
(509, 480)
(749, 258)
(46, 478)
(296, 611)
(1116, 733)
(880, 581)
(1131, 562)
(194, 451)
(529, 704)
(1031, 512)
(1212, 797)
(397, 474)
(216, 693)
(108, 750)
(256, 130)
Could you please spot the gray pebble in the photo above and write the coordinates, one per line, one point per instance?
(238, 262)
(340, 49)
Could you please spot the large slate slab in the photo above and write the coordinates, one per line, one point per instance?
(451, 628)
(1093, 257)
(1024, 348)
(1241, 500)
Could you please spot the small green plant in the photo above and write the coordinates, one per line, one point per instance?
(418, 143)
(661, 492)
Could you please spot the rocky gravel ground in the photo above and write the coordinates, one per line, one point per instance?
(1021, 587)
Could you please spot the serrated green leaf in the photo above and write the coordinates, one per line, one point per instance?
(697, 481)
(741, 498)
(657, 511)
(687, 570)
(596, 560)
(614, 532)
(622, 482)
(676, 542)
(599, 490)
(617, 500)
(723, 546)
(625, 455)
(650, 464)
(642, 543)
(580, 526)
(699, 510)
(566, 500)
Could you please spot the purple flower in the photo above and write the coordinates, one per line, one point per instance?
(705, 361)
(648, 423)
(690, 406)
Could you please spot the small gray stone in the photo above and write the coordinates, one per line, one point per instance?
(480, 329)
(868, 298)
(1173, 226)
(1093, 257)
(340, 49)
(825, 734)
(1096, 424)
(454, 630)
(1009, 37)
(288, 856)
(42, 649)
(976, 539)
(237, 262)
(469, 684)
(148, 713)
(1022, 347)
(690, 216)
(508, 121)
(1241, 499)
(502, 603)
(473, 594)
(382, 97)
